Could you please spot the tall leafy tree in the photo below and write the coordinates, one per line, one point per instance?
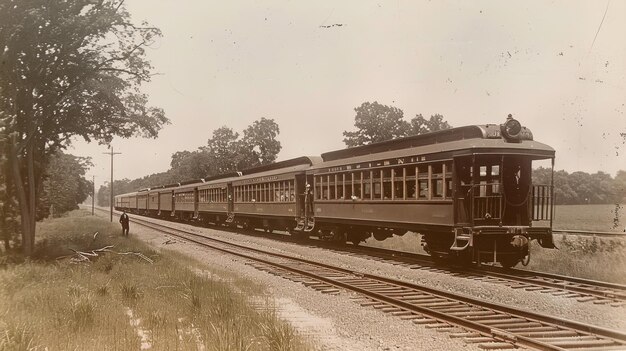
(259, 143)
(226, 151)
(375, 123)
(69, 68)
(65, 186)
(223, 150)
(421, 125)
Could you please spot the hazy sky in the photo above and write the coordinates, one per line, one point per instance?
(233, 62)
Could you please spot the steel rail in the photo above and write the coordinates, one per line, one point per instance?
(503, 322)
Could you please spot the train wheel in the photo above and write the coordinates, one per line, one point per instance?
(508, 261)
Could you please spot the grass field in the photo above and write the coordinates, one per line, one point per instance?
(605, 218)
(127, 302)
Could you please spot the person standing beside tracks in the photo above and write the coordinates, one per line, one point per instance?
(124, 219)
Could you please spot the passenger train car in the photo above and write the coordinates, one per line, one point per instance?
(467, 190)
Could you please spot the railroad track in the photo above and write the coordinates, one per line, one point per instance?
(583, 290)
(489, 325)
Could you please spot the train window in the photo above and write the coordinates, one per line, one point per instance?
(398, 182)
(332, 186)
(423, 189)
(436, 179)
(317, 190)
(410, 182)
(367, 185)
(438, 188)
(386, 180)
(422, 182)
(292, 192)
(269, 192)
(283, 191)
(483, 171)
(348, 185)
(376, 185)
(495, 179)
(495, 170)
(358, 188)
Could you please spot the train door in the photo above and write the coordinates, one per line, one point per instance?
(301, 195)
(516, 181)
(231, 199)
(462, 194)
(478, 197)
(196, 198)
(173, 204)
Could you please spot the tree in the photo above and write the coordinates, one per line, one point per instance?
(259, 145)
(65, 186)
(420, 125)
(375, 123)
(69, 68)
(227, 152)
(223, 150)
(9, 226)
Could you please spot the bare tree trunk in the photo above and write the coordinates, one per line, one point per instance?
(32, 186)
(5, 232)
(27, 216)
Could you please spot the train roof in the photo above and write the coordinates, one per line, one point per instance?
(463, 141)
(274, 170)
(304, 160)
(466, 133)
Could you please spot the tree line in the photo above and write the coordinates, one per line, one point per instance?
(583, 188)
(225, 152)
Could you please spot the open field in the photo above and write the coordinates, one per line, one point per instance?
(606, 218)
(122, 301)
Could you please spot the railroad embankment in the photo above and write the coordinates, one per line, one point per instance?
(88, 288)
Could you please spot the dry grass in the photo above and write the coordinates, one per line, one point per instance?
(584, 257)
(124, 302)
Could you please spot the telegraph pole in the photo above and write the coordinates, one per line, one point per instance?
(111, 184)
(93, 194)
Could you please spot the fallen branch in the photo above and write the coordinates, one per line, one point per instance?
(81, 256)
